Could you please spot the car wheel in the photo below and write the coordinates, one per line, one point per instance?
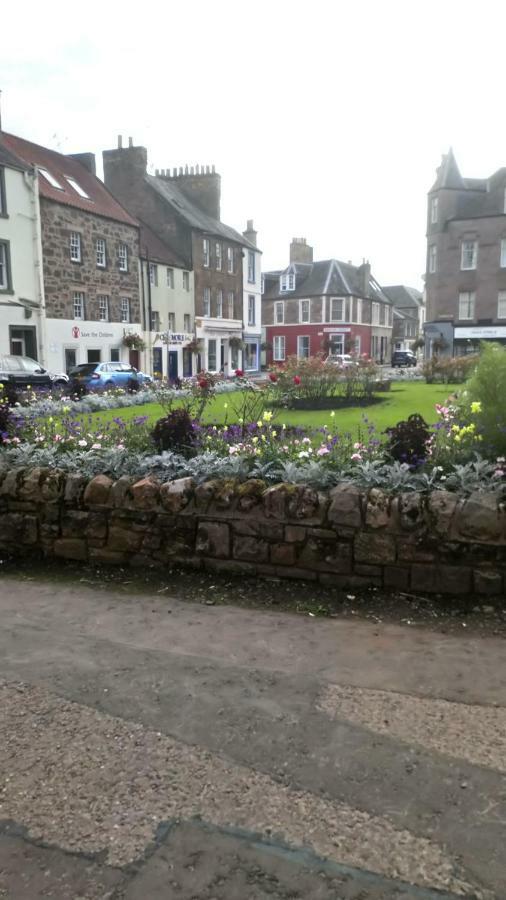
(59, 383)
(109, 385)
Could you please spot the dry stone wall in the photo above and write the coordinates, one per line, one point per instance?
(343, 538)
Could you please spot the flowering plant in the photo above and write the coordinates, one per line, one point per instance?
(134, 341)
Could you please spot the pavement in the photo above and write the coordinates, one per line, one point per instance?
(166, 750)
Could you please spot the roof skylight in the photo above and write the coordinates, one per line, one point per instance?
(77, 187)
(50, 179)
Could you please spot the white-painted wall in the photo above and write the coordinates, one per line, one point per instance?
(252, 333)
(165, 300)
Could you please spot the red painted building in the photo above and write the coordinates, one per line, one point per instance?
(324, 307)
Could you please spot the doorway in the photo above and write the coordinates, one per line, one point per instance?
(172, 365)
(70, 359)
(187, 363)
(157, 362)
(134, 358)
(222, 356)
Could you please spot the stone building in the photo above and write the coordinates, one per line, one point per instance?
(409, 315)
(22, 313)
(182, 207)
(325, 307)
(90, 251)
(466, 260)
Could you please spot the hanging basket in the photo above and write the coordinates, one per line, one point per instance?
(134, 342)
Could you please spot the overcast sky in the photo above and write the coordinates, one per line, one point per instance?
(326, 120)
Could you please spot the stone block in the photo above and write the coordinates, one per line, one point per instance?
(98, 491)
(345, 506)
(487, 582)
(396, 577)
(75, 486)
(410, 549)
(275, 501)
(30, 530)
(96, 529)
(124, 539)
(349, 582)
(74, 523)
(250, 549)
(441, 506)
(108, 556)
(326, 556)
(481, 519)
(411, 511)
(249, 494)
(374, 548)
(52, 485)
(70, 548)
(11, 528)
(294, 572)
(175, 495)
(121, 495)
(213, 539)
(259, 528)
(204, 493)
(368, 571)
(30, 487)
(145, 494)
(295, 533)
(283, 554)
(230, 567)
(11, 484)
(454, 580)
(378, 509)
(424, 578)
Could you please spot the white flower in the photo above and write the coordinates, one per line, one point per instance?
(303, 454)
(82, 443)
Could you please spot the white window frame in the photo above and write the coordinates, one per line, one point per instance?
(186, 281)
(4, 266)
(172, 322)
(230, 302)
(503, 253)
(279, 348)
(123, 257)
(77, 187)
(468, 247)
(358, 344)
(432, 259)
(153, 274)
(50, 178)
(279, 306)
(501, 305)
(219, 303)
(359, 310)
(382, 314)
(303, 337)
(215, 367)
(251, 309)
(187, 320)
(206, 253)
(251, 267)
(155, 320)
(375, 313)
(78, 305)
(206, 302)
(335, 318)
(170, 278)
(219, 255)
(230, 260)
(101, 253)
(302, 306)
(75, 246)
(253, 365)
(468, 298)
(103, 307)
(434, 210)
(262, 283)
(125, 309)
(287, 282)
(334, 339)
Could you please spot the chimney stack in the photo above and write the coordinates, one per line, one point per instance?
(130, 142)
(120, 141)
(364, 275)
(300, 251)
(250, 234)
(86, 159)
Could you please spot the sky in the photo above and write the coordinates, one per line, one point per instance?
(326, 120)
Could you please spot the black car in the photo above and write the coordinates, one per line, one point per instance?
(403, 358)
(23, 372)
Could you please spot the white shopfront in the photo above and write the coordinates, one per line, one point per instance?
(70, 343)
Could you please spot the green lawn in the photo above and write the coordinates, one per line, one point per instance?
(403, 399)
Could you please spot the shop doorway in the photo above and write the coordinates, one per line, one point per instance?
(134, 359)
(172, 365)
(157, 362)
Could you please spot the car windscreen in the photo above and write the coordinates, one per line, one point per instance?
(84, 369)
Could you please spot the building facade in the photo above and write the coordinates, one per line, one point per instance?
(252, 303)
(22, 309)
(324, 307)
(182, 208)
(466, 260)
(90, 255)
(409, 315)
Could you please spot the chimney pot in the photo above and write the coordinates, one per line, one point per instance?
(130, 142)
(180, 170)
(300, 251)
(208, 171)
(174, 173)
(186, 170)
(192, 170)
(213, 170)
(120, 141)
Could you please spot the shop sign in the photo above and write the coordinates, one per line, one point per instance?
(488, 331)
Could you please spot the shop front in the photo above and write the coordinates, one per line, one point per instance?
(467, 339)
(71, 343)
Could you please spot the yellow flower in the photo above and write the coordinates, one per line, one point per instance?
(225, 406)
(259, 424)
(457, 437)
(254, 440)
(274, 434)
(267, 416)
(50, 419)
(455, 429)
(476, 406)
(332, 414)
(283, 427)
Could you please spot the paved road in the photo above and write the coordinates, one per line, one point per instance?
(156, 749)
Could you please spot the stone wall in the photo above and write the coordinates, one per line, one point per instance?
(342, 538)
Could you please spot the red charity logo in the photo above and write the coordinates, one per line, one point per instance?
(75, 332)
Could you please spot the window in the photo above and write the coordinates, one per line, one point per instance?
(155, 320)
(5, 269)
(170, 278)
(251, 309)
(219, 304)
(230, 260)
(3, 199)
(336, 342)
(75, 246)
(78, 305)
(231, 300)
(303, 346)
(100, 251)
(172, 322)
(337, 309)
(50, 179)
(287, 283)
(153, 274)
(382, 320)
(207, 301)
(469, 254)
(375, 313)
(359, 310)
(103, 308)
(186, 281)
(278, 351)
(501, 305)
(205, 252)
(251, 266)
(432, 258)
(503, 253)
(279, 312)
(217, 251)
(211, 355)
(123, 257)
(356, 345)
(187, 323)
(434, 203)
(466, 305)
(94, 356)
(114, 354)
(304, 311)
(77, 187)
(125, 309)
(251, 356)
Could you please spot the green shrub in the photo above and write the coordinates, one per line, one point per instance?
(484, 400)
(449, 369)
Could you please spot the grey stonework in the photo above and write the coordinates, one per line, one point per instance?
(62, 276)
(343, 537)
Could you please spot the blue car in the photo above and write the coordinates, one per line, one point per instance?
(103, 377)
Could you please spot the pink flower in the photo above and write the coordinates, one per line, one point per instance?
(322, 451)
(96, 446)
(356, 456)
(57, 438)
(498, 473)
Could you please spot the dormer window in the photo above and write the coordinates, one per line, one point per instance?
(287, 282)
(50, 179)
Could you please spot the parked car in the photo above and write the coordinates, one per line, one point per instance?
(341, 359)
(144, 378)
(23, 372)
(103, 377)
(403, 358)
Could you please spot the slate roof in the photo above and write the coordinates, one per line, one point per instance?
(448, 174)
(404, 297)
(9, 159)
(192, 215)
(151, 245)
(324, 277)
(100, 203)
